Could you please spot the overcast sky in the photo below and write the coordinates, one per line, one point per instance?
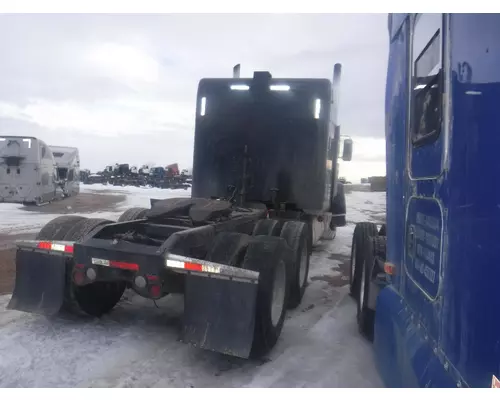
(122, 88)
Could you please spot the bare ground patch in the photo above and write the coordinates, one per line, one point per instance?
(83, 203)
(7, 270)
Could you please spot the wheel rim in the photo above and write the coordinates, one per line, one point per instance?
(353, 262)
(303, 267)
(362, 288)
(279, 287)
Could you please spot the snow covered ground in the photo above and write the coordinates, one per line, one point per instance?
(137, 345)
(15, 220)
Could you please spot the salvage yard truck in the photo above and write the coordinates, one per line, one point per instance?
(426, 283)
(264, 192)
(28, 171)
(33, 173)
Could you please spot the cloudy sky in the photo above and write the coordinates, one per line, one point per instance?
(122, 88)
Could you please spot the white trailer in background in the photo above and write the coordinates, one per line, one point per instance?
(27, 170)
(67, 161)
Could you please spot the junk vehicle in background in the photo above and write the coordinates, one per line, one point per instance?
(426, 284)
(168, 177)
(176, 179)
(88, 178)
(265, 190)
(29, 171)
(121, 175)
(67, 161)
(126, 175)
(84, 176)
(377, 183)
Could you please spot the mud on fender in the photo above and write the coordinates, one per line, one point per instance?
(40, 281)
(219, 314)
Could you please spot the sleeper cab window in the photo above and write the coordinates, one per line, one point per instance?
(427, 77)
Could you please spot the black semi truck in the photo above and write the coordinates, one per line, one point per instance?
(264, 191)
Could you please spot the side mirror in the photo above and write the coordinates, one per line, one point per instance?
(347, 150)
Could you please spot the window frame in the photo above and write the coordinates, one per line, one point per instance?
(432, 136)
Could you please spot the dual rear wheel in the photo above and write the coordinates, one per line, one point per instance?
(368, 244)
(280, 255)
(296, 236)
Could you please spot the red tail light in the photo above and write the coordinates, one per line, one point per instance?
(193, 267)
(45, 245)
(78, 277)
(155, 291)
(124, 265)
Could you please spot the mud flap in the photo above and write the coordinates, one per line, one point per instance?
(40, 281)
(219, 315)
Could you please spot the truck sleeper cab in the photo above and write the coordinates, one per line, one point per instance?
(67, 161)
(272, 141)
(426, 288)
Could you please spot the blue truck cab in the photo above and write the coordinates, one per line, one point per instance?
(427, 283)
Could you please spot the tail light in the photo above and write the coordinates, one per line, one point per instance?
(78, 277)
(155, 291)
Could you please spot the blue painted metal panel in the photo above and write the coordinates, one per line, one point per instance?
(396, 117)
(405, 356)
(470, 327)
(422, 262)
(395, 23)
(423, 255)
(426, 161)
(455, 339)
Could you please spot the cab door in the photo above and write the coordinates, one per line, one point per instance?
(427, 141)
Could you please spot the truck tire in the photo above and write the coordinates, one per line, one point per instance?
(133, 214)
(338, 207)
(268, 255)
(83, 228)
(365, 316)
(96, 298)
(57, 228)
(296, 235)
(228, 248)
(266, 227)
(362, 232)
